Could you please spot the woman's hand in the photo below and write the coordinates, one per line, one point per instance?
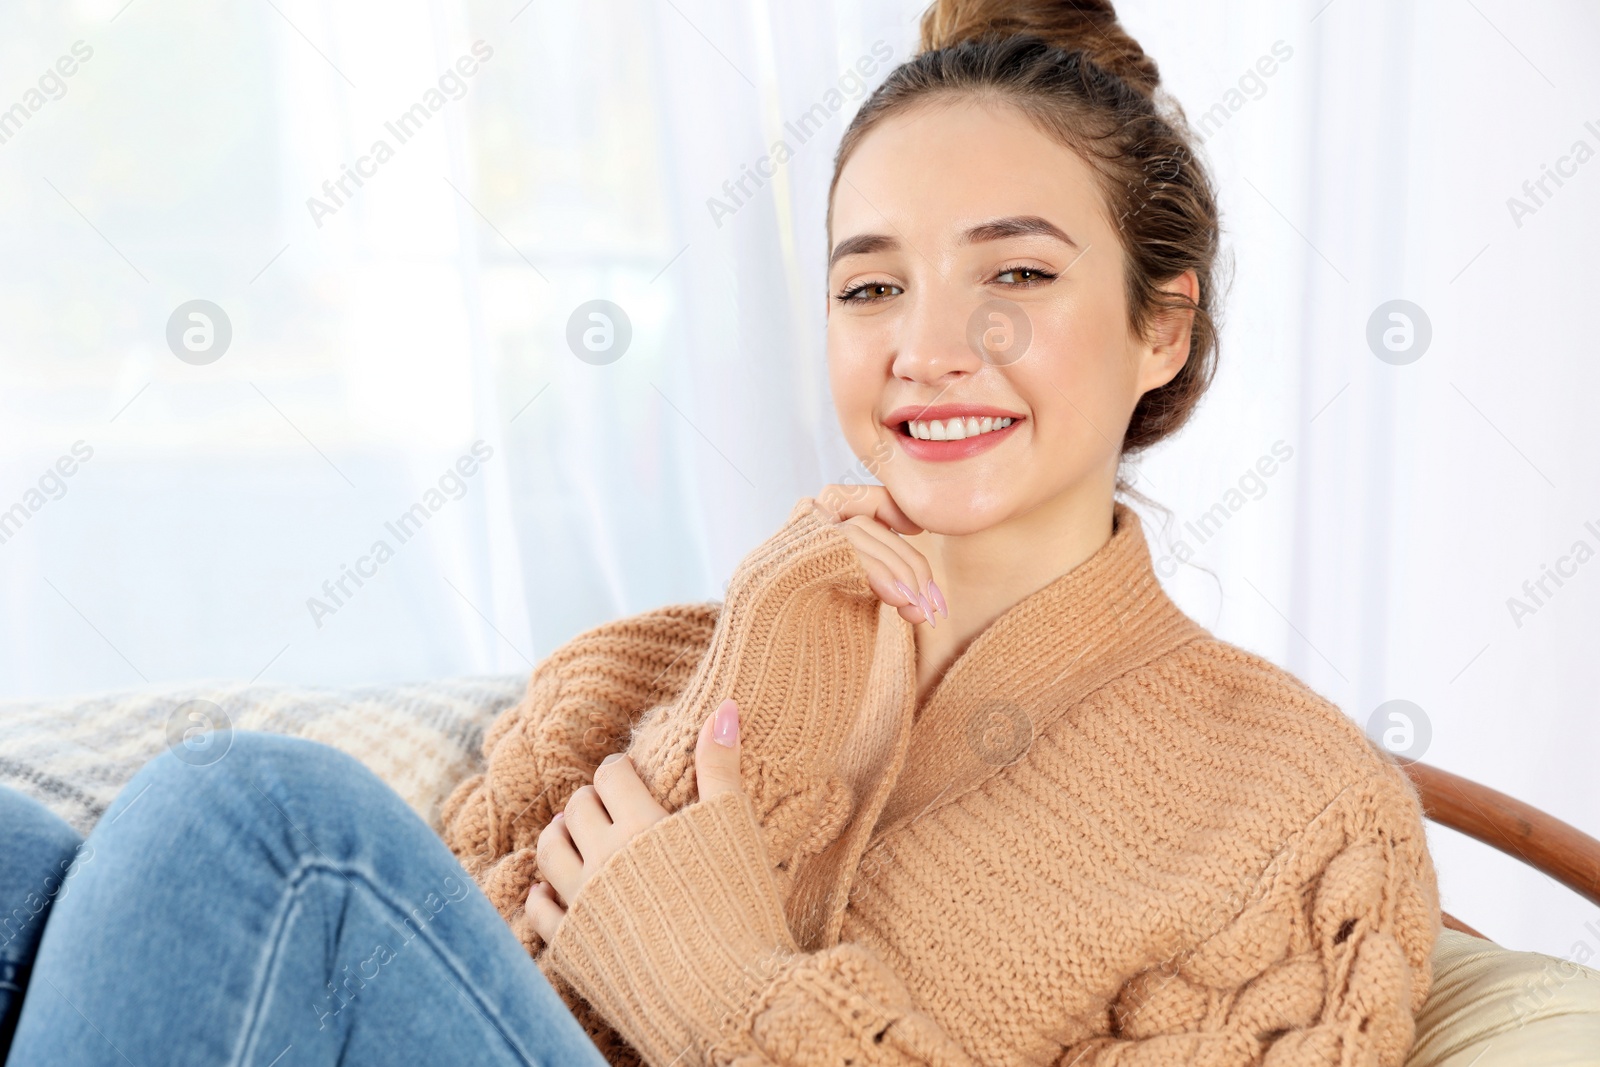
(600, 819)
(898, 573)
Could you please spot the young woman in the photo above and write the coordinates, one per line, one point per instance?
(945, 780)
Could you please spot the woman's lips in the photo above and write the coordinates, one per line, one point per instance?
(943, 451)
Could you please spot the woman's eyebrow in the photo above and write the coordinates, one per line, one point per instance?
(993, 230)
(862, 244)
(1017, 226)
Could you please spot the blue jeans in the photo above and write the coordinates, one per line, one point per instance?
(278, 907)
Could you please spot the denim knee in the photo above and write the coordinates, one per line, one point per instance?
(38, 849)
(33, 829)
(294, 774)
(256, 754)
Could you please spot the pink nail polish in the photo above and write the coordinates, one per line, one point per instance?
(937, 598)
(725, 729)
(905, 591)
(927, 612)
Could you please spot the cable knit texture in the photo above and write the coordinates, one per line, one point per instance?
(1104, 838)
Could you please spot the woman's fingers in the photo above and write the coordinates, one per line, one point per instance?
(910, 565)
(876, 527)
(628, 801)
(891, 589)
(841, 502)
(586, 815)
(894, 571)
(597, 820)
(544, 911)
(558, 857)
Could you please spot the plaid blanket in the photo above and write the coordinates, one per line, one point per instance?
(74, 755)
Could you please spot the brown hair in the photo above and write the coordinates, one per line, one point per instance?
(1071, 68)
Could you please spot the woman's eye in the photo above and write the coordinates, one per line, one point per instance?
(869, 291)
(1023, 275)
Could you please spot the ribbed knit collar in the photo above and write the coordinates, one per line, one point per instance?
(1103, 618)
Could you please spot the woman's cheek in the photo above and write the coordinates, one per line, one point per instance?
(857, 386)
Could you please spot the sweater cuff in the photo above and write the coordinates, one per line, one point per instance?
(678, 935)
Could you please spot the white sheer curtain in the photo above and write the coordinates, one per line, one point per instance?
(1376, 164)
(1361, 522)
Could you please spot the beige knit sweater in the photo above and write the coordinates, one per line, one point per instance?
(1105, 837)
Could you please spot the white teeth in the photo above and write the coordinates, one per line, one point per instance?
(955, 429)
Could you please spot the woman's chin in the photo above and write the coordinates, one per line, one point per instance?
(935, 510)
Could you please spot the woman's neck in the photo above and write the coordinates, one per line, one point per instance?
(983, 574)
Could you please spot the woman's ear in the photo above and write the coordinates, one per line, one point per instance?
(1169, 343)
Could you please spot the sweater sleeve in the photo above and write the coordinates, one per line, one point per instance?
(1326, 963)
(793, 646)
(792, 643)
(680, 941)
(580, 705)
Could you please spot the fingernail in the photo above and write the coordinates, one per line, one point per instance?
(725, 729)
(927, 612)
(611, 758)
(905, 591)
(937, 597)
(558, 815)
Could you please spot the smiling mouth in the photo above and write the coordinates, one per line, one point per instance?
(953, 429)
(960, 435)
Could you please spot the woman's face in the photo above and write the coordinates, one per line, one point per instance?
(975, 276)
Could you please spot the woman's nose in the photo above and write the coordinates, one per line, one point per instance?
(934, 341)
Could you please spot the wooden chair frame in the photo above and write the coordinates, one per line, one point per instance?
(1520, 830)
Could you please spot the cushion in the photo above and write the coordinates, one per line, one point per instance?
(1496, 1007)
(75, 755)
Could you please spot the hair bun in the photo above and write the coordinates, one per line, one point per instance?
(1088, 26)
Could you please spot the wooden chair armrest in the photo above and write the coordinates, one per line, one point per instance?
(1520, 830)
